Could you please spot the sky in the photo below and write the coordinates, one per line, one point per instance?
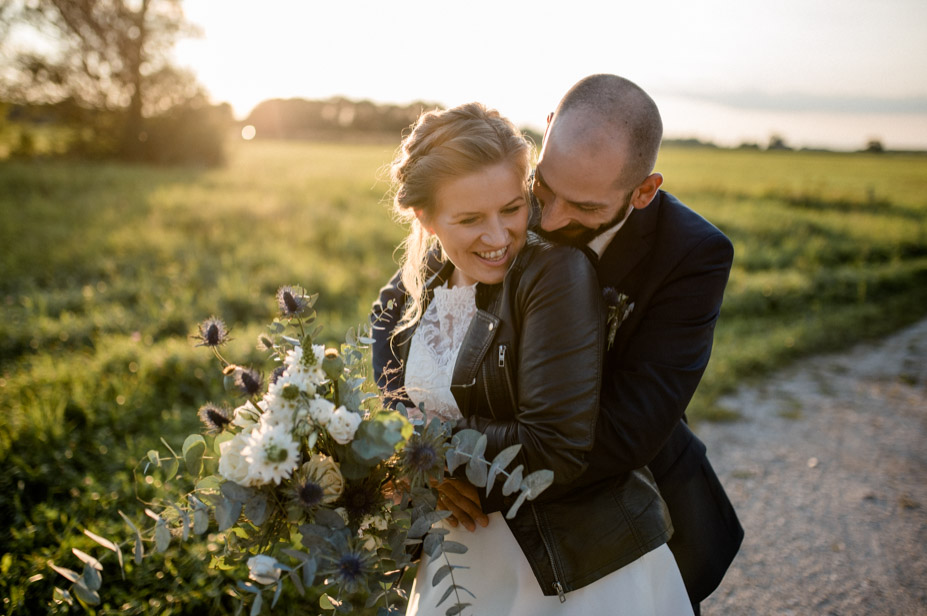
(819, 73)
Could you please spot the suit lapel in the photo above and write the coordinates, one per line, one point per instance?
(629, 246)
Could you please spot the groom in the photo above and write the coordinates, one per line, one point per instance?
(663, 269)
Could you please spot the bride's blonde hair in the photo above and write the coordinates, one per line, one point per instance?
(445, 145)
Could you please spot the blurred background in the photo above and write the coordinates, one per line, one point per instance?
(162, 161)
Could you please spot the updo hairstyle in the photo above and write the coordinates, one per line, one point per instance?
(445, 145)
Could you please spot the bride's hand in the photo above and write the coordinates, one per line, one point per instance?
(463, 501)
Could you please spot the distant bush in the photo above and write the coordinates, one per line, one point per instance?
(188, 133)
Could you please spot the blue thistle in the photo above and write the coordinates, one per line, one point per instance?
(292, 301)
(248, 381)
(213, 333)
(214, 418)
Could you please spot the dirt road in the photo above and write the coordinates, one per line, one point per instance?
(828, 473)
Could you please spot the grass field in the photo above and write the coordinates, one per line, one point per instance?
(105, 270)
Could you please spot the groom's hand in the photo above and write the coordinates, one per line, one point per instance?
(463, 501)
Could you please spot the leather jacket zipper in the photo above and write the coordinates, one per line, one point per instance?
(508, 379)
(557, 585)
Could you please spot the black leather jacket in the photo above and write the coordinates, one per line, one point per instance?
(529, 371)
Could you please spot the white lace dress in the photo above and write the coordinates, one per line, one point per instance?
(496, 571)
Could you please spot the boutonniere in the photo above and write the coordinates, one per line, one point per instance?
(619, 307)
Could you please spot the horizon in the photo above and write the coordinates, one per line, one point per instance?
(828, 74)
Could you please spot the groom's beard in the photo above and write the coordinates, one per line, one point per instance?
(575, 234)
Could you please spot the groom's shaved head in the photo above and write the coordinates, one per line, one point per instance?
(607, 111)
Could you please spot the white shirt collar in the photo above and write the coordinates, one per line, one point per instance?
(601, 241)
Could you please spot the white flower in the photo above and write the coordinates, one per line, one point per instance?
(271, 452)
(232, 464)
(247, 415)
(263, 569)
(343, 425)
(320, 410)
(375, 522)
(306, 377)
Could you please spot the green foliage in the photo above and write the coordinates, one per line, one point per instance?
(106, 268)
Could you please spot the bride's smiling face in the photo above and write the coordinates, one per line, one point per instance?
(481, 220)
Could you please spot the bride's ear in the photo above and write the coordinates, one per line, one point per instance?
(422, 220)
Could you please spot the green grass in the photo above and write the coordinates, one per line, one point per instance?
(106, 269)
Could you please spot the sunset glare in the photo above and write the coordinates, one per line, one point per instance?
(821, 74)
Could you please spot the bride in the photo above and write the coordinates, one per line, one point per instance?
(491, 326)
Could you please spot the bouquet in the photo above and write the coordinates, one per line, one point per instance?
(310, 482)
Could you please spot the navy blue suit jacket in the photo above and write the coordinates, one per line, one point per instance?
(673, 265)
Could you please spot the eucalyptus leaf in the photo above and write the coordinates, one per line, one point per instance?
(513, 482)
(447, 593)
(537, 482)
(298, 583)
(69, 575)
(516, 505)
(171, 466)
(106, 543)
(440, 574)
(257, 605)
(454, 458)
(59, 595)
(456, 609)
(200, 520)
(277, 594)
(300, 556)
(433, 545)
(184, 521)
(257, 509)
(235, 492)
(193, 449)
(330, 518)
(119, 559)
(87, 559)
(502, 459)
(309, 571)
(221, 438)
(162, 536)
(91, 577)
(249, 587)
(139, 548)
(227, 512)
(208, 483)
(476, 472)
(90, 597)
(455, 547)
(154, 457)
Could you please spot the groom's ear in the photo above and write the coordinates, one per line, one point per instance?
(646, 191)
(550, 117)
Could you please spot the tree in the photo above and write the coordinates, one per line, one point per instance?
(107, 57)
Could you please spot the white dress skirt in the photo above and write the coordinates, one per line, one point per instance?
(496, 570)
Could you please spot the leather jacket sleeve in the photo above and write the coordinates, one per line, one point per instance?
(557, 319)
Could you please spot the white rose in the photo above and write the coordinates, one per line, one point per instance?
(343, 425)
(232, 464)
(321, 410)
(246, 416)
(263, 569)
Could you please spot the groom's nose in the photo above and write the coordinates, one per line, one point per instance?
(554, 215)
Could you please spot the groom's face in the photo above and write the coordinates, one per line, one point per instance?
(577, 183)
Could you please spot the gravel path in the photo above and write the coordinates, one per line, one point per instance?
(828, 473)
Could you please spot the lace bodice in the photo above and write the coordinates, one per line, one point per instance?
(433, 353)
